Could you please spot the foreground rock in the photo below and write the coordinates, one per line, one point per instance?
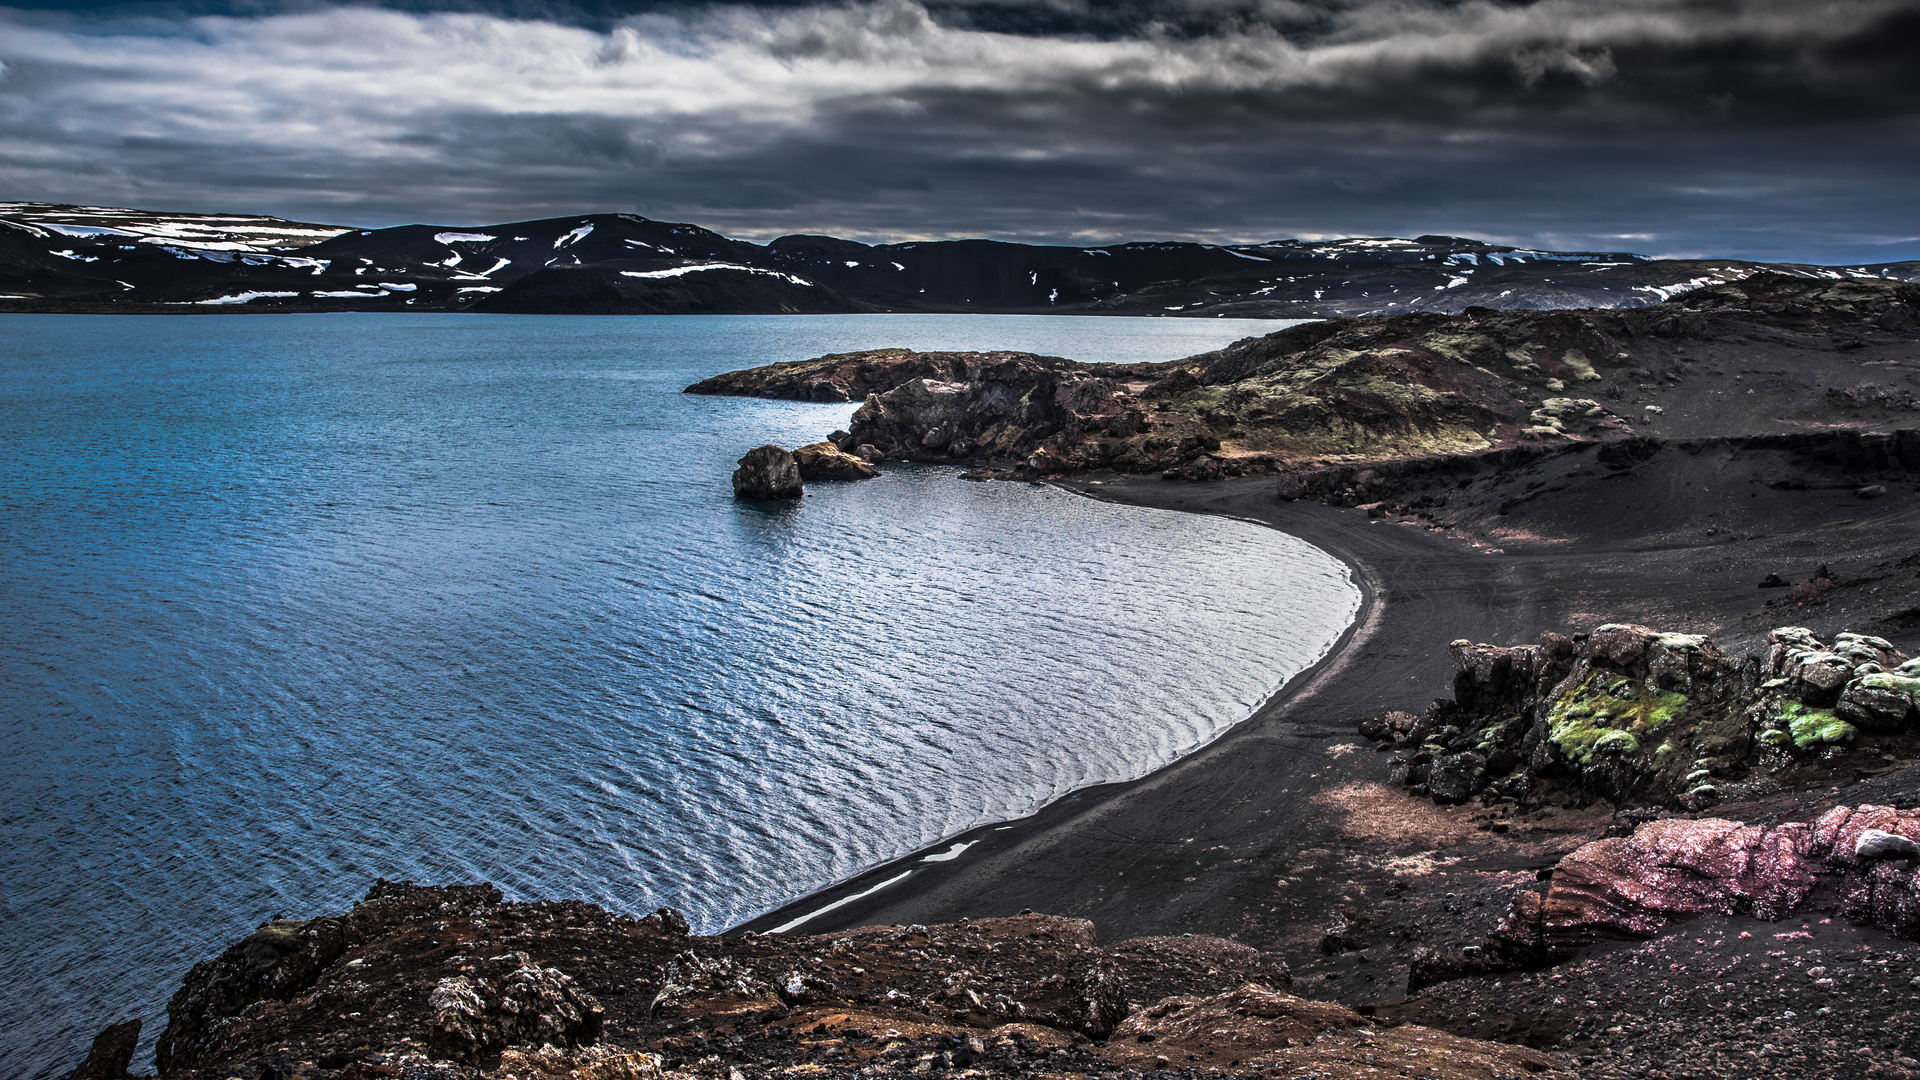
(767, 472)
(111, 1053)
(1854, 862)
(457, 984)
(1641, 717)
(1257, 1030)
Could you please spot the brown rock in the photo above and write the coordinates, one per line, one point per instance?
(111, 1054)
(1027, 995)
(1253, 1029)
(825, 461)
(537, 1006)
(767, 472)
(1678, 869)
(592, 1063)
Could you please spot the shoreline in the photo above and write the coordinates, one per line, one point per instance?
(1285, 823)
(900, 881)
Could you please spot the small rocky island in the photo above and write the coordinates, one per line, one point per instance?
(769, 472)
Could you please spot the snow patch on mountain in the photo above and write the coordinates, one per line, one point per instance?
(697, 268)
(241, 298)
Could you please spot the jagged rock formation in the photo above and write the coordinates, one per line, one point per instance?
(1006, 405)
(1637, 716)
(767, 472)
(457, 984)
(528, 1005)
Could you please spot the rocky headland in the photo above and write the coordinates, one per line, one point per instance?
(1398, 410)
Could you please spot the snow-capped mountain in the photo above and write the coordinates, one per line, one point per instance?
(80, 258)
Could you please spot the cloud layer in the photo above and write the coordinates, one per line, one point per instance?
(1769, 129)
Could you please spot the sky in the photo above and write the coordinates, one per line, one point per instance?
(1774, 129)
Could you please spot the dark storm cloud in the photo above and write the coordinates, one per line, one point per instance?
(1764, 129)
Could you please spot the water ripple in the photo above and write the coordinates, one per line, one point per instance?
(293, 602)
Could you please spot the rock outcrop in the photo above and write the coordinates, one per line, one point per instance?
(825, 461)
(275, 962)
(1391, 409)
(1855, 862)
(111, 1053)
(458, 984)
(767, 472)
(345, 971)
(1637, 716)
(1047, 414)
(529, 1005)
(1256, 1029)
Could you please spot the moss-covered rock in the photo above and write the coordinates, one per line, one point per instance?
(1880, 701)
(1633, 715)
(1609, 713)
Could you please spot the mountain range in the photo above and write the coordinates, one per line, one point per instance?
(65, 258)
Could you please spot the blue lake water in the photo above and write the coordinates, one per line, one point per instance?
(291, 602)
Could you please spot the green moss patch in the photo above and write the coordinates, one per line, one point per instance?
(1609, 714)
(1899, 684)
(1815, 727)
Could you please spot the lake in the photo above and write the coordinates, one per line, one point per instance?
(294, 602)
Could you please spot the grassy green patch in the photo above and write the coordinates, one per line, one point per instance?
(1815, 727)
(1608, 714)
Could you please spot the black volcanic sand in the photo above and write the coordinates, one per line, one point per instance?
(1285, 835)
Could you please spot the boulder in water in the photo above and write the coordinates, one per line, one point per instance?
(767, 472)
(825, 461)
(111, 1054)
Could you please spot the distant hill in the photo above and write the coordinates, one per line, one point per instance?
(105, 259)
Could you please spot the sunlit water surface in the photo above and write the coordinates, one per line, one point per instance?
(288, 603)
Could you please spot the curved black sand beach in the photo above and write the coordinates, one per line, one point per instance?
(1268, 831)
